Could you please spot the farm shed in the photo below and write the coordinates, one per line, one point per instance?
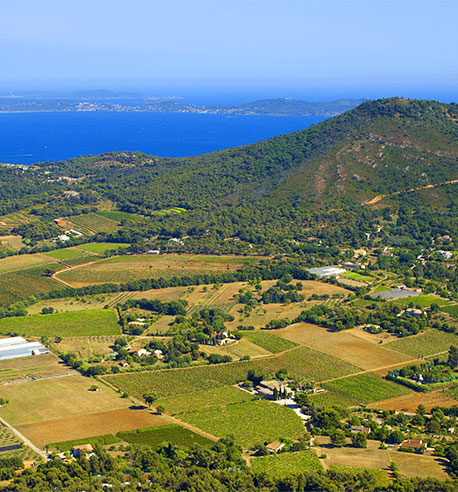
(12, 348)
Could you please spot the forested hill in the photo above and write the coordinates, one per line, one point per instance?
(378, 147)
(308, 183)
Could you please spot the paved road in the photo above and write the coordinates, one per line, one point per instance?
(23, 438)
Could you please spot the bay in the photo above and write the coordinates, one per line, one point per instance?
(26, 138)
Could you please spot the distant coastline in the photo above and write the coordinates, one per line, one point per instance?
(265, 107)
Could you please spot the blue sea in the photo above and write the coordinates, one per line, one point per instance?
(26, 138)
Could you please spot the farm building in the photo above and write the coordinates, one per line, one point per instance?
(12, 348)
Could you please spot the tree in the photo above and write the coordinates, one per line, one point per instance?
(338, 438)
(359, 440)
(301, 399)
(149, 398)
(453, 357)
(160, 409)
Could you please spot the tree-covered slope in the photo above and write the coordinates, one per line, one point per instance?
(320, 182)
(378, 147)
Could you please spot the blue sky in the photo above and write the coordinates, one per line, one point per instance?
(357, 48)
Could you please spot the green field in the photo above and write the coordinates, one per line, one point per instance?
(283, 465)
(101, 248)
(76, 323)
(358, 276)
(359, 389)
(154, 436)
(269, 341)
(423, 301)
(427, 343)
(65, 254)
(120, 216)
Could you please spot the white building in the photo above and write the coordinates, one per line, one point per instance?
(15, 347)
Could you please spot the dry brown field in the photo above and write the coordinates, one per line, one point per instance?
(344, 345)
(381, 338)
(168, 294)
(411, 465)
(320, 288)
(90, 425)
(56, 398)
(372, 457)
(87, 346)
(414, 465)
(37, 366)
(409, 403)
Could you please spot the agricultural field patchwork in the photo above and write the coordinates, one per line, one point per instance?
(77, 323)
(175, 382)
(427, 343)
(299, 362)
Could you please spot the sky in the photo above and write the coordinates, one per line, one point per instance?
(320, 49)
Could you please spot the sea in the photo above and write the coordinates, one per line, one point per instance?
(26, 138)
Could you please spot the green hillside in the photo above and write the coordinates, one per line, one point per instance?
(270, 191)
